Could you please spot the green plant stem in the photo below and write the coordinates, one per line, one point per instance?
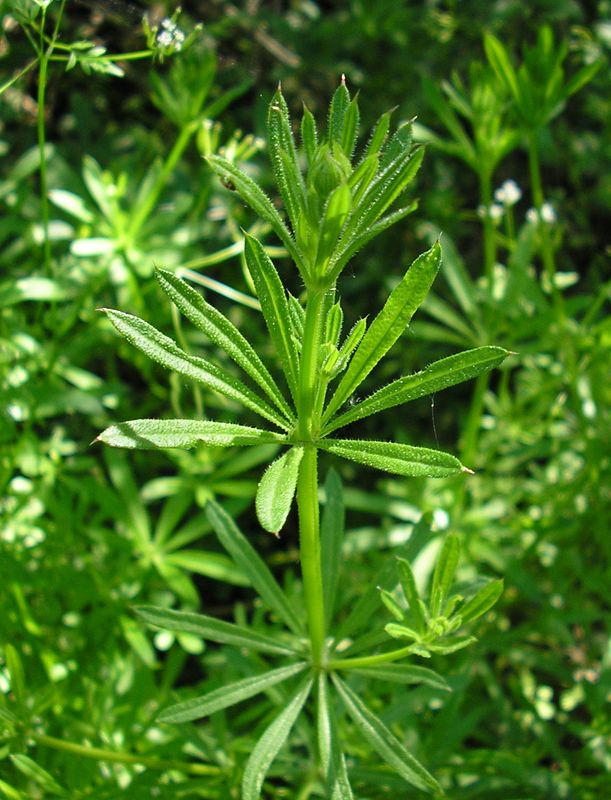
(485, 193)
(143, 212)
(308, 426)
(309, 547)
(469, 437)
(369, 661)
(547, 251)
(100, 754)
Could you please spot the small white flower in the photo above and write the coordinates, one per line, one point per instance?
(508, 193)
(532, 216)
(164, 39)
(548, 213)
(495, 212)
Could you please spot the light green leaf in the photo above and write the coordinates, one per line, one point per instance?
(283, 156)
(150, 434)
(274, 306)
(445, 569)
(223, 333)
(388, 325)
(385, 743)
(309, 134)
(338, 111)
(266, 749)
(36, 773)
(332, 759)
(331, 540)
(14, 666)
(211, 629)
(400, 459)
(277, 489)
(213, 565)
(437, 376)
(166, 352)
(406, 674)
(259, 202)
(483, 601)
(247, 558)
(499, 60)
(408, 582)
(228, 695)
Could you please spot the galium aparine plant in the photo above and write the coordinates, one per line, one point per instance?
(335, 203)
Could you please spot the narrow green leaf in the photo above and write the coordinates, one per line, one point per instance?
(276, 490)
(449, 645)
(400, 459)
(378, 135)
(259, 202)
(228, 695)
(35, 772)
(150, 434)
(351, 128)
(445, 569)
(499, 60)
(385, 743)
(406, 674)
(211, 629)
(383, 191)
(583, 76)
(213, 565)
(483, 601)
(252, 565)
(283, 156)
(266, 749)
(437, 376)
(332, 759)
(398, 145)
(274, 306)
(166, 352)
(309, 134)
(388, 325)
(356, 241)
(331, 540)
(223, 333)
(337, 112)
(408, 582)
(16, 675)
(391, 604)
(335, 214)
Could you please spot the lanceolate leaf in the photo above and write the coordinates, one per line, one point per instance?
(437, 376)
(331, 540)
(166, 352)
(223, 333)
(276, 490)
(259, 202)
(266, 749)
(228, 695)
(443, 577)
(151, 434)
(274, 306)
(483, 601)
(405, 673)
(247, 558)
(388, 325)
(385, 743)
(284, 156)
(400, 459)
(332, 759)
(211, 629)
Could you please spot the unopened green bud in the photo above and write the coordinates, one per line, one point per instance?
(330, 167)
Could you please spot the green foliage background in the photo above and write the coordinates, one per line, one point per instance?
(87, 533)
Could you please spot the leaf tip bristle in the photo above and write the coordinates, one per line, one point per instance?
(343, 79)
(467, 470)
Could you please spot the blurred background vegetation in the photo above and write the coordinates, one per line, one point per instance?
(123, 119)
